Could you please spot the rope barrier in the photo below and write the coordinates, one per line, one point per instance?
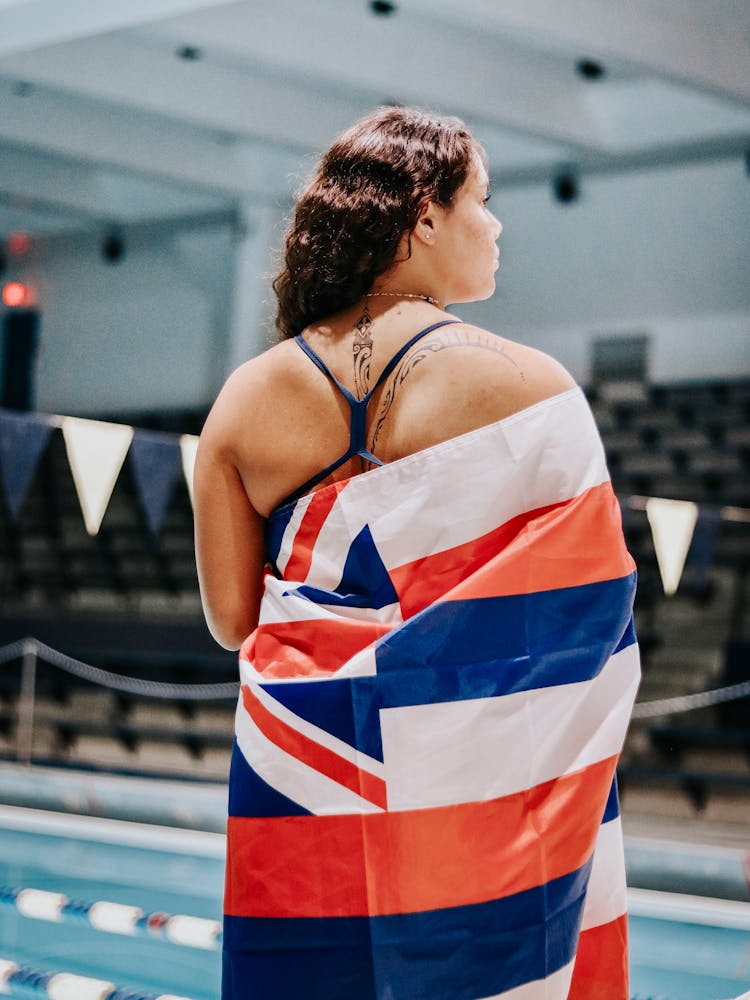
(117, 682)
(687, 702)
(20, 981)
(115, 918)
(219, 692)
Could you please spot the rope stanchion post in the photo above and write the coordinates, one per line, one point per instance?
(26, 702)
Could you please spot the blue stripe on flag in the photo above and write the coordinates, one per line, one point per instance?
(573, 637)
(347, 708)
(520, 627)
(250, 795)
(612, 808)
(459, 953)
(628, 636)
(275, 528)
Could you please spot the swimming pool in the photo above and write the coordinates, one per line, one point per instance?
(683, 948)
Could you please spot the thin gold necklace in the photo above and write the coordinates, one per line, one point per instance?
(404, 295)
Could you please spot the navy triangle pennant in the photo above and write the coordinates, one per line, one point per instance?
(156, 461)
(23, 438)
(703, 546)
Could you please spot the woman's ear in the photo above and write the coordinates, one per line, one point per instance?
(426, 227)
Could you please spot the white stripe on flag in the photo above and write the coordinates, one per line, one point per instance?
(320, 736)
(484, 748)
(281, 603)
(606, 896)
(287, 540)
(342, 525)
(302, 784)
(362, 664)
(476, 495)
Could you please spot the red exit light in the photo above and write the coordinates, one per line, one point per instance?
(18, 244)
(16, 294)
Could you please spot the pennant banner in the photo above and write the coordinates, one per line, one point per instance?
(23, 438)
(188, 446)
(672, 523)
(703, 547)
(96, 451)
(155, 460)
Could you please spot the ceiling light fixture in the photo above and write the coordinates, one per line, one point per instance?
(590, 69)
(113, 248)
(382, 8)
(190, 53)
(565, 188)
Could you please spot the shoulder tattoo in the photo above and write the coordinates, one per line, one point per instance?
(424, 348)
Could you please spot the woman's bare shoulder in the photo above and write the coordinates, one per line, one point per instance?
(504, 364)
(254, 378)
(249, 392)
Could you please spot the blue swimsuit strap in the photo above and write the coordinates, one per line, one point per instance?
(358, 407)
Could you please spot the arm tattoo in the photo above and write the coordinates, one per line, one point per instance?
(423, 349)
(362, 350)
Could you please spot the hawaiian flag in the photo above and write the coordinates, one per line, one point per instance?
(422, 798)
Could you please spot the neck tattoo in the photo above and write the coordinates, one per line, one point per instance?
(362, 349)
(362, 346)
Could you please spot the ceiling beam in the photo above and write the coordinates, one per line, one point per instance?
(705, 54)
(276, 86)
(222, 99)
(410, 58)
(95, 193)
(89, 132)
(26, 25)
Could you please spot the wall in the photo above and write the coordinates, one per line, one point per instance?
(144, 333)
(663, 252)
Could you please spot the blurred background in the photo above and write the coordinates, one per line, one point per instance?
(149, 156)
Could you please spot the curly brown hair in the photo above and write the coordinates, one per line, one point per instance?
(370, 189)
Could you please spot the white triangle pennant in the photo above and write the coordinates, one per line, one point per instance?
(188, 447)
(672, 525)
(96, 451)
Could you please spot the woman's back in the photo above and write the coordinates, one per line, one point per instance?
(436, 662)
(453, 379)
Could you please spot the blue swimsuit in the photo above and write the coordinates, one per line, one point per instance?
(358, 408)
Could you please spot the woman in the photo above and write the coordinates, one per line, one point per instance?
(406, 524)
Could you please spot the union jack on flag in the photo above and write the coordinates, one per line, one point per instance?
(422, 799)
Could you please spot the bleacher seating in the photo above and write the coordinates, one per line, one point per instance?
(129, 600)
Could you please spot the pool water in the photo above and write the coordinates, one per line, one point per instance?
(683, 961)
(163, 878)
(177, 871)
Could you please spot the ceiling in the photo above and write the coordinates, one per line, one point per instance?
(171, 112)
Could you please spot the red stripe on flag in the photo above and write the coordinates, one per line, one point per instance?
(563, 545)
(601, 968)
(425, 859)
(314, 648)
(313, 519)
(423, 581)
(316, 756)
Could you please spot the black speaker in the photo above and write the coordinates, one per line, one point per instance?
(19, 348)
